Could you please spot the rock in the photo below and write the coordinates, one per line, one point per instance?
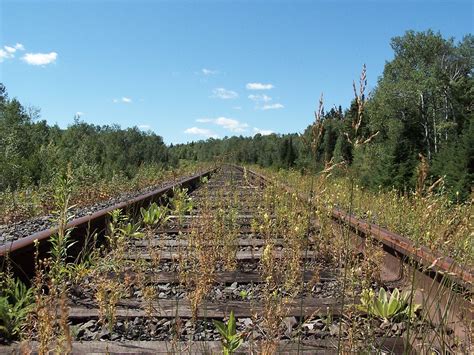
(247, 322)
(88, 335)
(334, 329)
(88, 325)
(80, 333)
(104, 334)
(289, 323)
(164, 287)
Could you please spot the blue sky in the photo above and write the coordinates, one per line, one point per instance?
(192, 69)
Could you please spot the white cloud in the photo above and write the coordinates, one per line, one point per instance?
(226, 123)
(259, 86)
(4, 55)
(10, 49)
(206, 71)
(231, 124)
(263, 132)
(200, 132)
(40, 58)
(237, 107)
(272, 107)
(123, 99)
(221, 93)
(260, 98)
(8, 52)
(144, 126)
(262, 102)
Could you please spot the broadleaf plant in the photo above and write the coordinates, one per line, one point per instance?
(397, 306)
(230, 339)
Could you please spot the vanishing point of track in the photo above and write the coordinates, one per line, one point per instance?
(403, 264)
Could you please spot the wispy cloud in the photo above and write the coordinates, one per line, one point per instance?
(124, 99)
(263, 132)
(259, 86)
(221, 93)
(4, 55)
(208, 72)
(144, 126)
(237, 107)
(262, 102)
(200, 132)
(230, 124)
(260, 98)
(40, 58)
(9, 51)
(272, 107)
(204, 120)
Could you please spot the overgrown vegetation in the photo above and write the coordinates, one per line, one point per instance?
(330, 166)
(422, 104)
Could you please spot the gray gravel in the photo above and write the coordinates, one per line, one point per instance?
(167, 329)
(14, 231)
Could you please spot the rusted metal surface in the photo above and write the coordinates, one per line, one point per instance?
(20, 253)
(398, 245)
(442, 286)
(424, 256)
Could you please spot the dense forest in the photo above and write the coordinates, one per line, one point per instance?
(31, 151)
(420, 111)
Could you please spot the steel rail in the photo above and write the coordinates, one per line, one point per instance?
(400, 245)
(20, 253)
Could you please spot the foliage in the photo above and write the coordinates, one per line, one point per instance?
(428, 219)
(181, 202)
(230, 339)
(421, 105)
(397, 306)
(16, 302)
(154, 215)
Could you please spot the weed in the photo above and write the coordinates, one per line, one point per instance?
(16, 302)
(231, 340)
(397, 306)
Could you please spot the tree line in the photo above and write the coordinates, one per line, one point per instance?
(32, 152)
(420, 112)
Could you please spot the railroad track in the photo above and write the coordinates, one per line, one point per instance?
(232, 249)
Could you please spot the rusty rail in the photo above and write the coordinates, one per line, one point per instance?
(20, 252)
(402, 246)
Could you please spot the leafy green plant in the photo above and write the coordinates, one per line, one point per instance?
(181, 202)
(16, 302)
(387, 308)
(231, 340)
(244, 294)
(155, 215)
(131, 230)
(61, 242)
